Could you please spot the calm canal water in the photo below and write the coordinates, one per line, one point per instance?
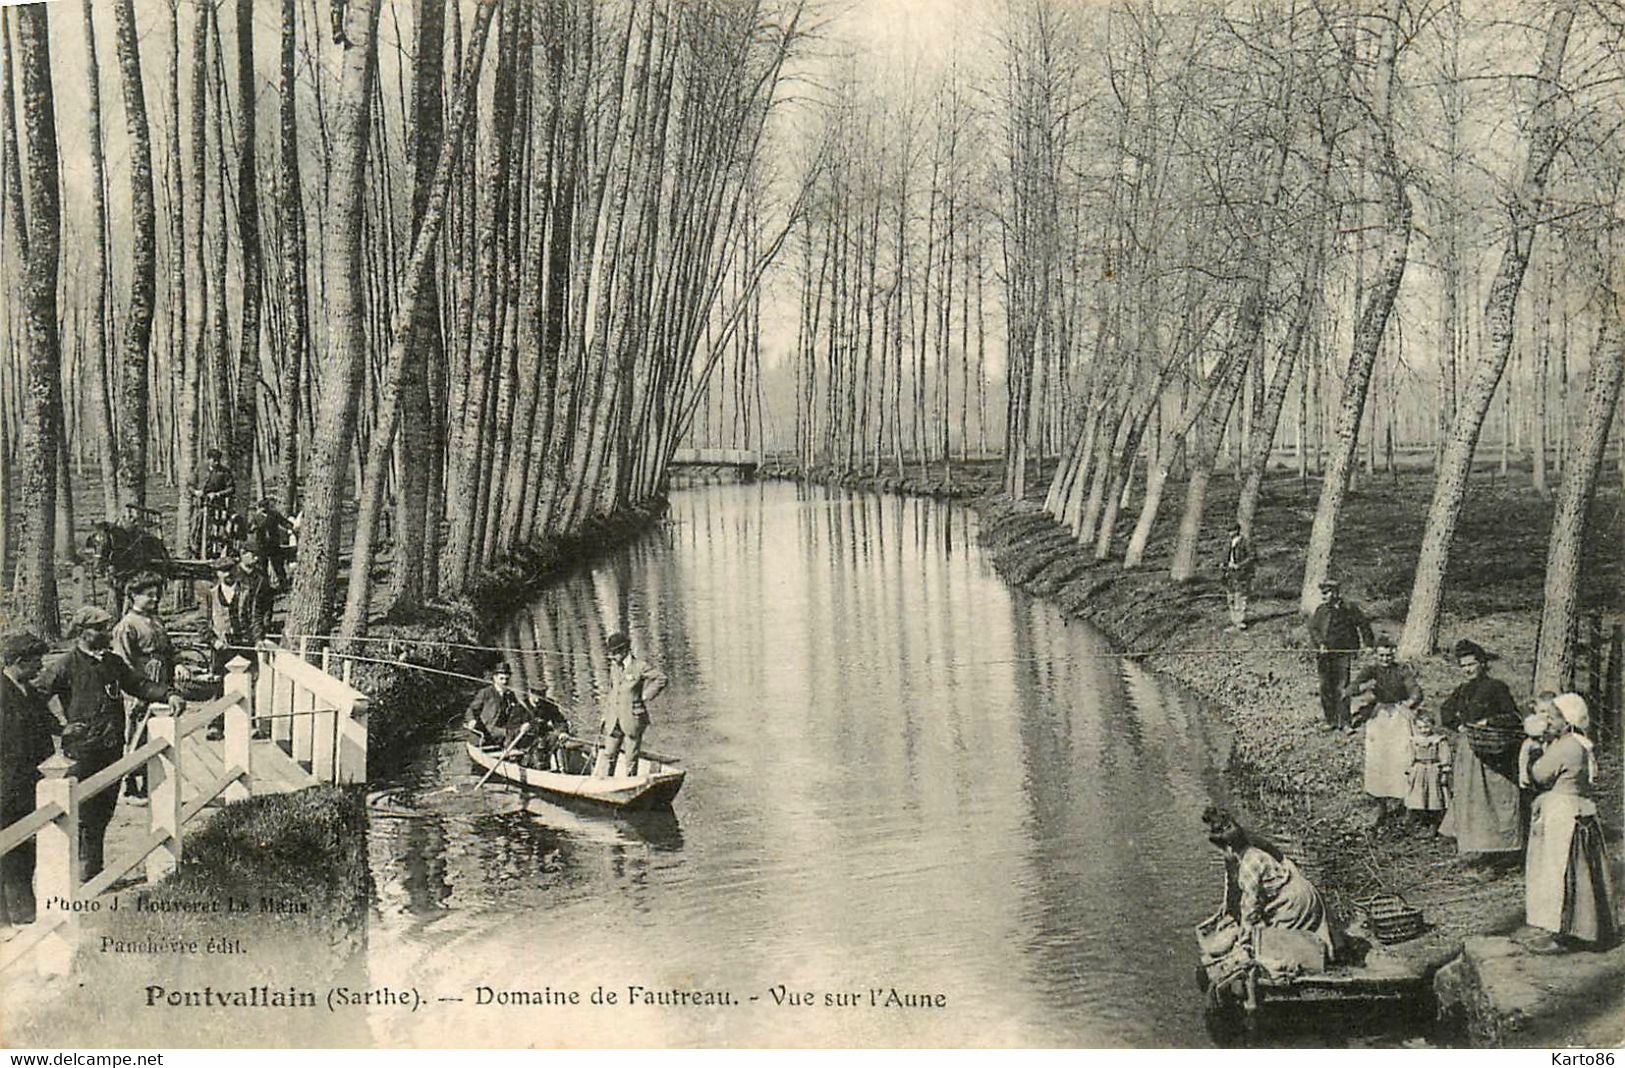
(902, 774)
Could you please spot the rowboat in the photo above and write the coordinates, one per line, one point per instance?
(656, 783)
(1383, 993)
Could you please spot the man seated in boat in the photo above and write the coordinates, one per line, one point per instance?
(497, 712)
(548, 731)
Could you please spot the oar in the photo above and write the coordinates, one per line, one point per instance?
(453, 788)
(524, 727)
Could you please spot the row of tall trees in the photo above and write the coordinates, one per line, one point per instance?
(1209, 229)
(502, 248)
(890, 351)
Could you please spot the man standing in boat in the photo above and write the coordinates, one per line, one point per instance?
(632, 683)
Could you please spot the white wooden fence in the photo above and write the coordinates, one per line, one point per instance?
(317, 727)
(716, 457)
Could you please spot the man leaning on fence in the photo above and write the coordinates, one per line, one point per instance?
(26, 726)
(89, 680)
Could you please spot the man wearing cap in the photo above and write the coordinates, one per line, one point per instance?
(1340, 630)
(239, 609)
(211, 529)
(26, 727)
(497, 710)
(632, 683)
(268, 534)
(1237, 569)
(1485, 815)
(1386, 695)
(88, 681)
(140, 640)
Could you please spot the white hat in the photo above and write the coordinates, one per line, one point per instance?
(1572, 707)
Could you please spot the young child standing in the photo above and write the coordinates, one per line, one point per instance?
(1427, 793)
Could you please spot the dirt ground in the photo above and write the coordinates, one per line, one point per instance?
(1290, 774)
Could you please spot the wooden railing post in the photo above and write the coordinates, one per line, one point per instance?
(238, 746)
(352, 742)
(56, 864)
(164, 793)
(265, 685)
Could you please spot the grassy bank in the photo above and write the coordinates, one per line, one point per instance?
(293, 868)
(1288, 772)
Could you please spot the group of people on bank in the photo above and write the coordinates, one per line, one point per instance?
(218, 532)
(104, 681)
(1502, 784)
(537, 731)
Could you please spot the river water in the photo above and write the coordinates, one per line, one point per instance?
(902, 775)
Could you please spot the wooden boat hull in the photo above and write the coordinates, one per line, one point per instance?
(654, 787)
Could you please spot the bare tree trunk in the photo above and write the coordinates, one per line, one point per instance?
(417, 278)
(406, 578)
(219, 366)
(179, 312)
(35, 590)
(245, 425)
(101, 414)
(291, 215)
(132, 453)
(1378, 303)
(1450, 487)
(1559, 615)
(195, 190)
(310, 607)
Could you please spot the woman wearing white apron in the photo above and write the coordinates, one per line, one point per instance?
(1387, 693)
(1568, 884)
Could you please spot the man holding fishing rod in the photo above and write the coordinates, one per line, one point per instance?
(498, 711)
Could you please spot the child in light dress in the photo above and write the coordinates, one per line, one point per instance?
(1427, 793)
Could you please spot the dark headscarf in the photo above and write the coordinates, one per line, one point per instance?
(1223, 830)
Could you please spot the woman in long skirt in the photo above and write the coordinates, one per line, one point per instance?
(1485, 816)
(1568, 884)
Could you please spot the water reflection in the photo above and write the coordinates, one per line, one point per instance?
(900, 774)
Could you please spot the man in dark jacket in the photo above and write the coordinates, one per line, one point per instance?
(211, 525)
(26, 726)
(497, 711)
(1237, 570)
(1340, 630)
(88, 680)
(269, 532)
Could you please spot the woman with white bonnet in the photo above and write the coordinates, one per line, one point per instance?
(1567, 879)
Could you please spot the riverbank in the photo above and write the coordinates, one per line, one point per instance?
(1289, 774)
(438, 651)
(271, 896)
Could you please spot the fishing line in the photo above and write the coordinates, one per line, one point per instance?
(566, 709)
(398, 640)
